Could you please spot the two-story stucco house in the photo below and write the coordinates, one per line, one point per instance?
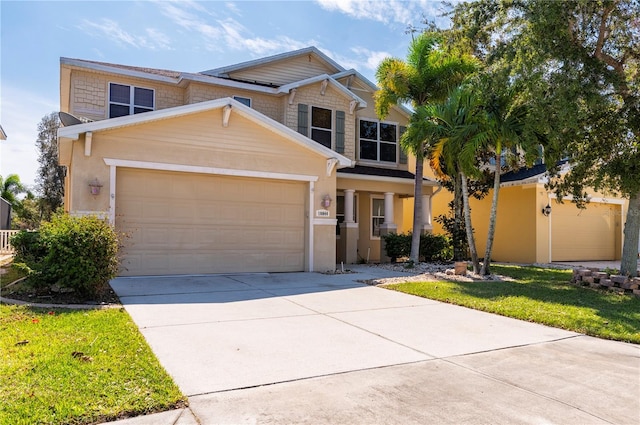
(277, 164)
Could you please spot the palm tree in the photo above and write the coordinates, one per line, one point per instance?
(427, 76)
(509, 132)
(459, 126)
(10, 188)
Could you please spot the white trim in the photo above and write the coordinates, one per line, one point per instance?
(312, 189)
(597, 200)
(112, 195)
(83, 213)
(207, 170)
(322, 78)
(325, 221)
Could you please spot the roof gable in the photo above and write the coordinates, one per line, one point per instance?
(228, 106)
(281, 69)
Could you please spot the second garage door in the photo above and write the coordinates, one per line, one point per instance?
(184, 223)
(583, 234)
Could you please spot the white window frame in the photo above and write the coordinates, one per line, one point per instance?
(131, 103)
(372, 216)
(332, 121)
(379, 142)
(243, 99)
(355, 210)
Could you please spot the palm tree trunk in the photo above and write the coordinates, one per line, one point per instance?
(629, 263)
(492, 220)
(460, 250)
(417, 211)
(467, 222)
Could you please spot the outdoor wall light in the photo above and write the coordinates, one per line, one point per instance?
(546, 210)
(326, 201)
(94, 187)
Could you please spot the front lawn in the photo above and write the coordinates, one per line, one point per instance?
(543, 296)
(61, 366)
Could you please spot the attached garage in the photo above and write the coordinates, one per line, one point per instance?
(584, 234)
(179, 223)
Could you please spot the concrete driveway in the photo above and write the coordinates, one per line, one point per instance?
(325, 349)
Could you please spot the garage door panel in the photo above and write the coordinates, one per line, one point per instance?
(583, 234)
(180, 223)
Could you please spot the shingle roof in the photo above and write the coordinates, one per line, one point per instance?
(380, 172)
(526, 173)
(155, 71)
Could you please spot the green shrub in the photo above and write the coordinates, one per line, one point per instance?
(435, 247)
(80, 253)
(28, 247)
(432, 247)
(397, 245)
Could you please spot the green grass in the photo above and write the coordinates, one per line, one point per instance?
(62, 366)
(542, 296)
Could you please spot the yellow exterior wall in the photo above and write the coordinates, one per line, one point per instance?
(200, 140)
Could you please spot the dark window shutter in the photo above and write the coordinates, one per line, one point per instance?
(303, 119)
(403, 154)
(340, 131)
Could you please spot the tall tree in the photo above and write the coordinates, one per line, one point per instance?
(50, 175)
(580, 63)
(459, 129)
(510, 132)
(427, 76)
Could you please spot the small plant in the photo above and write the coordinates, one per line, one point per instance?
(432, 247)
(73, 252)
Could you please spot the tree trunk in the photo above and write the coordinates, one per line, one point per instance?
(492, 220)
(460, 251)
(467, 222)
(629, 263)
(417, 211)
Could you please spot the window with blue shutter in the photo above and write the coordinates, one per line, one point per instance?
(303, 119)
(340, 117)
(403, 154)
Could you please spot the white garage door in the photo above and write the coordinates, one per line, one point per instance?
(582, 235)
(184, 223)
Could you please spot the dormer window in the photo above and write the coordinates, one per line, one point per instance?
(321, 126)
(378, 141)
(128, 100)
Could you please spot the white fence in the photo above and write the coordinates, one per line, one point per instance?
(5, 236)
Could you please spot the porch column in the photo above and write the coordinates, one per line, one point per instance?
(388, 226)
(348, 205)
(427, 225)
(349, 230)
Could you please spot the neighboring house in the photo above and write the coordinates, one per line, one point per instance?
(277, 164)
(3, 135)
(526, 234)
(5, 214)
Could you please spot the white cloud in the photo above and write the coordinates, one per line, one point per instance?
(371, 59)
(21, 113)
(388, 11)
(228, 33)
(110, 29)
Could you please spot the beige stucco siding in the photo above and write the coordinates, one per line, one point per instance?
(285, 72)
(332, 99)
(270, 106)
(89, 93)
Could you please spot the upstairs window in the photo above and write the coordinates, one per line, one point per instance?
(321, 125)
(244, 100)
(128, 100)
(378, 141)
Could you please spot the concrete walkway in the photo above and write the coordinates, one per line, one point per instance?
(325, 349)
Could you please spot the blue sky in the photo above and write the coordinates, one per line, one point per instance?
(190, 36)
